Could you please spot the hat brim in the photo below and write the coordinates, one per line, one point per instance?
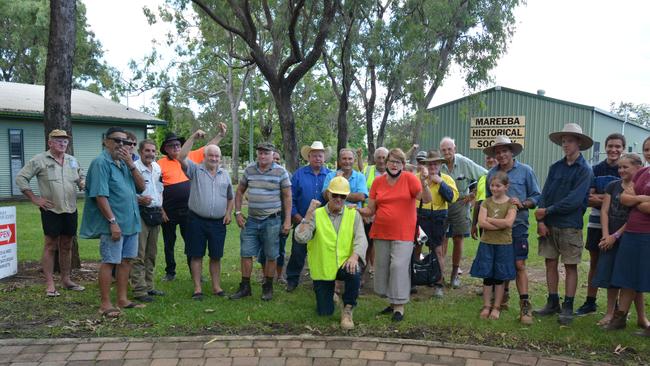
(305, 150)
(584, 141)
(162, 148)
(440, 159)
(514, 147)
(338, 192)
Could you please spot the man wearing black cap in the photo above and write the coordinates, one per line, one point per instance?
(177, 191)
(269, 195)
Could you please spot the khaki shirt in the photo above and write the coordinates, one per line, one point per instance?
(57, 183)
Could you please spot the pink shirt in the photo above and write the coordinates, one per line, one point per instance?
(639, 222)
(395, 207)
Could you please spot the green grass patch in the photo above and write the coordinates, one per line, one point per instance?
(26, 312)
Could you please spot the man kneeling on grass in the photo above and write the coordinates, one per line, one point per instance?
(336, 247)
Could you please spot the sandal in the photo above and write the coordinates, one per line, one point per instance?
(603, 321)
(495, 313)
(54, 293)
(75, 288)
(111, 313)
(485, 312)
(133, 305)
(198, 296)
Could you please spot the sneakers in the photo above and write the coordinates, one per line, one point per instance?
(549, 309)
(619, 321)
(267, 291)
(438, 292)
(525, 316)
(244, 291)
(346, 318)
(587, 308)
(455, 282)
(566, 315)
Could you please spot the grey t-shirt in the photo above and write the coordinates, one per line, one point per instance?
(209, 195)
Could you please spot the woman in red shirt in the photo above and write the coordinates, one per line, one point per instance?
(392, 201)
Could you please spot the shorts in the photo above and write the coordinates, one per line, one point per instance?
(494, 261)
(114, 251)
(458, 219)
(202, 231)
(565, 242)
(261, 234)
(593, 238)
(434, 226)
(520, 248)
(55, 224)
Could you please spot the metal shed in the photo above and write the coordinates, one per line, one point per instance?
(528, 118)
(22, 133)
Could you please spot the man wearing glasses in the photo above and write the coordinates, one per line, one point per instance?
(111, 214)
(176, 192)
(59, 176)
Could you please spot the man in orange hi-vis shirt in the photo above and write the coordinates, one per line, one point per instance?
(177, 191)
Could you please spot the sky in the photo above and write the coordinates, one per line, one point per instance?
(589, 52)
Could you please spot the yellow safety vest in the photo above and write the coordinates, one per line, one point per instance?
(328, 250)
(370, 176)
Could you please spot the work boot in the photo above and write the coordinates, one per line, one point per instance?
(618, 321)
(346, 318)
(566, 315)
(244, 290)
(549, 309)
(267, 291)
(525, 316)
(587, 308)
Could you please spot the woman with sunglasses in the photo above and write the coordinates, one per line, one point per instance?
(392, 201)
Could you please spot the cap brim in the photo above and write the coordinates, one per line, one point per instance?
(431, 160)
(584, 141)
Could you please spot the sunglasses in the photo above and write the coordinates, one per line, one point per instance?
(124, 142)
(341, 196)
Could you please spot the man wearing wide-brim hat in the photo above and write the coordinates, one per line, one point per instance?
(560, 218)
(524, 193)
(59, 176)
(306, 185)
(176, 193)
(432, 216)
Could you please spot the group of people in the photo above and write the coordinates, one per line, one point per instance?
(352, 219)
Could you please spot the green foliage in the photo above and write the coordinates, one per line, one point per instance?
(23, 48)
(635, 113)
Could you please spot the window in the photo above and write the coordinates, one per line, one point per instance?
(16, 157)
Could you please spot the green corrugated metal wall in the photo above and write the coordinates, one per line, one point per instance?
(543, 116)
(87, 145)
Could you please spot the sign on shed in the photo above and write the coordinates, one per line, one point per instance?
(483, 130)
(8, 246)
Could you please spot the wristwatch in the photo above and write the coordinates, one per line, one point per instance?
(112, 221)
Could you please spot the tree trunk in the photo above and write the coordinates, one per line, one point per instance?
(282, 98)
(370, 112)
(58, 81)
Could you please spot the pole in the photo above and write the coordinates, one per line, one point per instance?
(250, 126)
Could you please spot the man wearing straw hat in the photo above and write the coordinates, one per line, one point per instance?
(306, 185)
(337, 247)
(560, 218)
(524, 193)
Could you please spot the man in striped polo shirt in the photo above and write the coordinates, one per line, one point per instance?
(269, 194)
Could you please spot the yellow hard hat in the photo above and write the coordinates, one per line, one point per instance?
(339, 185)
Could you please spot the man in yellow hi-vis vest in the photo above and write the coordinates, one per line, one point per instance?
(336, 247)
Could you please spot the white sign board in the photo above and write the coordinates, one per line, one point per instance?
(8, 245)
(484, 130)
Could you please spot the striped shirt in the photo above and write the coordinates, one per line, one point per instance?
(265, 189)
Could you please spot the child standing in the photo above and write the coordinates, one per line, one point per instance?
(493, 262)
(613, 218)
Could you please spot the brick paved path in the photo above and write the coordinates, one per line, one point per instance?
(261, 351)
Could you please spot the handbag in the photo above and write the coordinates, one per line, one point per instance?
(425, 272)
(152, 216)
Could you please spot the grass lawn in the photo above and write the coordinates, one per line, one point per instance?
(26, 312)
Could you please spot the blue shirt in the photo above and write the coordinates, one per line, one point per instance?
(305, 186)
(106, 179)
(523, 186)
(603, 175)
(357, 185)
(566, 193)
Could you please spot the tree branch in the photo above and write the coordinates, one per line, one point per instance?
(218, 19)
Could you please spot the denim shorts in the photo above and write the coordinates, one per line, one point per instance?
(520, 246)
(114, 251)
(261, 234)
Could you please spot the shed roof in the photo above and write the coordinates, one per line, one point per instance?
(544, 97)
(26, 101)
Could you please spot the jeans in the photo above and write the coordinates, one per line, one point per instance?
(296, 262)
(324, 291)
(282, 239)
(169, 238)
